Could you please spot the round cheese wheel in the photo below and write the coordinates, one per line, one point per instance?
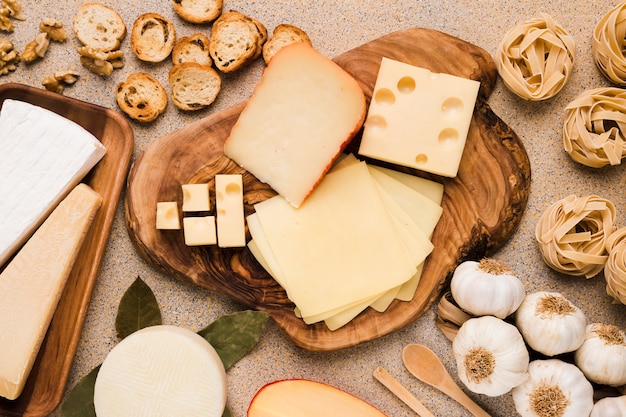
(161, 371)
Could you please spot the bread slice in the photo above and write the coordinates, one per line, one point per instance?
(141, 97)
(198, 11)
(153, 37)
(302, 114)
(236, 40)
(284, 34)
(194, 86)
(99, 27)
(193, 48)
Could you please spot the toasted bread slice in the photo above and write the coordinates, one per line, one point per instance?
(193, 48)
(141, 97)
(153, 37)
(236, 40)
(99, 27)
(198, 11)
(284, 34)
(194, 86)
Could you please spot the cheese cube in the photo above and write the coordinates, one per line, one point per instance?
(167, 216)
(302, 114)
(196, 197)
(200, 230)
(418, 118)
(42, 157)
(33, 281)
(231, 223)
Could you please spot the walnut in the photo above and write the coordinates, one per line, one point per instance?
(99, 61)
(54, 29)
(6, 24)
(60, 80)
(9, 57)
(14, 8)
(36, 49)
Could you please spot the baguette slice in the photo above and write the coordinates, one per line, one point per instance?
(283, 35)
(198, 11)
(99, 27)
(236, 40)
(194, 86)
(153, 37)
(193, 48)
(302, 114)
(141, 97)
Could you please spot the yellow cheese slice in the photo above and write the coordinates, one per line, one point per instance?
(341, 245)
(32, 283)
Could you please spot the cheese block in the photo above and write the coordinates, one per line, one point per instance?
(167, 217)
(340, 246)
(302, 114)
(231, 222)
(161, 370)
(196, 197)
(418, 118)
(32, 283)
(42, 157)
(199, 230)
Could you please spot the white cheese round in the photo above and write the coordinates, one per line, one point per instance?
(161, 371)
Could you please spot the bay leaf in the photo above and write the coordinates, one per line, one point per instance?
(79, 402)
(234, 335)
(138, 309)
(227, 412)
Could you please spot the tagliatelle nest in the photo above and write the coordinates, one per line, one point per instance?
(572, 234)
(615, 268)
(535, 58)
(609, 43)
(594, 127)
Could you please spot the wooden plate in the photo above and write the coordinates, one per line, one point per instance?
(482, 205)
(46, 383)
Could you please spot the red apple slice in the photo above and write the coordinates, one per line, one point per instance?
(306, 398)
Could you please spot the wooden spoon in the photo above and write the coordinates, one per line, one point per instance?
(426, 366)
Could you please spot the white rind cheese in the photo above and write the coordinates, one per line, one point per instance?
(42, 157)
(161, 371)
(302, 114)
(32, 283)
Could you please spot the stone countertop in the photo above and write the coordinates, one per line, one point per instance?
(335, 27)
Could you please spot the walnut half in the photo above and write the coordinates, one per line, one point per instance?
(101, 62)
(60, 80)
(36, 49)
(54, 29)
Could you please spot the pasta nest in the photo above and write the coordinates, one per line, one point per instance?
(615, 268)
(535, 58)
(608, 44)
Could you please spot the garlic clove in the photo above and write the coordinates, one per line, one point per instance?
(491, 355)
(602, 356)
(610, 407)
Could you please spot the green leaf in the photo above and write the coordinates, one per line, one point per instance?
(234, 335)
(227, 412)
(138, 309)
(79, 402)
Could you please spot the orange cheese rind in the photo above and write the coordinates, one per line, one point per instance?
(535, 58)
(591, 130)
(572, 234)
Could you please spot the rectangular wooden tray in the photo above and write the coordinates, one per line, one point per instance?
(46, 383)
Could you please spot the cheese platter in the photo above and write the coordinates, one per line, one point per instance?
(482, 205)
(47, 380)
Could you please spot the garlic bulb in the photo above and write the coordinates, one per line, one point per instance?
(491, 356)
(610, 407)
(553, 389)
(486, 288)
(602, 356)
(550, 323)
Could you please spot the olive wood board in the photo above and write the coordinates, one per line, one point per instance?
(46, 382)
(482, 206)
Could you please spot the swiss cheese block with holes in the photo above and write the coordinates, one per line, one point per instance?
(418, 118)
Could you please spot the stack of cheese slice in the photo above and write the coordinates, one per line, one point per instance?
(32, 283)
(359, 240)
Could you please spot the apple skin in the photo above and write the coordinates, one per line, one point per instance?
(307, 398)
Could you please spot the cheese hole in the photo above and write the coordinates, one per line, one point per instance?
(421, 158)
(385, 96)
(233, 189)
(406, 85)
(452, 107)
(376, 123)
(448, 135)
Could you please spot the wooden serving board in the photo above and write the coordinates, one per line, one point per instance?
(47, 380)
(482, 205)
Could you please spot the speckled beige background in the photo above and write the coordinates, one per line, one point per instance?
(335, 27)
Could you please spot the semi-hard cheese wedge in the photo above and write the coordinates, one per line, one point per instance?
(42, 157)
(302, 114)
(231, 221)
(161, 370)
(418, 118)
(32, 283)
